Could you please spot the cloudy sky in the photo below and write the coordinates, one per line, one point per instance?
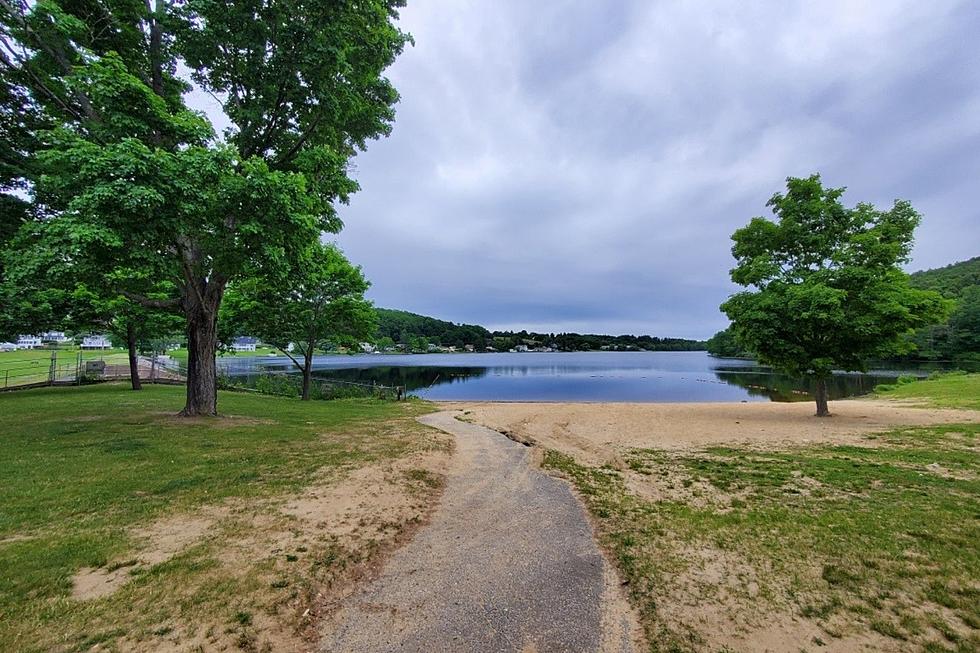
(579, 165)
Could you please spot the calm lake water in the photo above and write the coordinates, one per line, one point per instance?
(579, 376)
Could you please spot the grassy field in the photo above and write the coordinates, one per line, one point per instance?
(843, 547)
(27, 366)
(82, 468)
(181, 354)
(954, 390)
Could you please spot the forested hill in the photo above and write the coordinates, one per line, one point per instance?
(416, 332)
(959, 338)
(951, 280)
(402, 327)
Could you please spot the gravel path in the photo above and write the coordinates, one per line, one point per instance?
(508, 563)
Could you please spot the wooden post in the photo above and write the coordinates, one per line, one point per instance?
(53, 370)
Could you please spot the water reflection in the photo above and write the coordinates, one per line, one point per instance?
(760, 381)
(583, 376)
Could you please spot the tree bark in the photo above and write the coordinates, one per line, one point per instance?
(820, 394)
(134, 364)
(307, 376)
(202, 347)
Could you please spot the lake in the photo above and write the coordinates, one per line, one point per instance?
(576, 376)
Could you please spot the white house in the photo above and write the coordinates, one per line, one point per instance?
(28, 342)
(244, 343)
(57, 337)
(8, 346)
(96, 342)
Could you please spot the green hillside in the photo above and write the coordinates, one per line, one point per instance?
(411, 329)
(959, 338)
(416, 332)
(951, 280)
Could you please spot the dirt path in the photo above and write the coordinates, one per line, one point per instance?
(508, 563)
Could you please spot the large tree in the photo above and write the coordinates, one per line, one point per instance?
(321, 300)
(123, 160)
(825, 288)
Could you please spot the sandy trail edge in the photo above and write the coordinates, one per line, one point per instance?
(509, 562)
(599, 432)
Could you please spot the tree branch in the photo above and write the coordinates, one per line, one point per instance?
(143, 300)
(290, 357)
(285, 158)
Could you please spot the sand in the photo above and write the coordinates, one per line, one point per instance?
(599, 432)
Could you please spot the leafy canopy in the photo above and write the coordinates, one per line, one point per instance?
(321, 300)
(825, 287)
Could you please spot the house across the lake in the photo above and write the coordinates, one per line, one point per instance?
(97, 341)
(28, 342)
(244, 343)
(55, 337)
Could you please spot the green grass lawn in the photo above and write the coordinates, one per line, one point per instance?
(181, 354)
(877, 541)
(81, 467)
(954, 390)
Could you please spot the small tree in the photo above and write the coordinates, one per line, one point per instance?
(826, 288)
(322, 300)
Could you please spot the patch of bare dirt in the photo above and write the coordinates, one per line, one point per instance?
(302, 556)
(156, 543)
(723, 602)
(599, 433)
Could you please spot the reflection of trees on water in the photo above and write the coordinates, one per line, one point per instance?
(756, 380)
(763, 382)
(412, 378)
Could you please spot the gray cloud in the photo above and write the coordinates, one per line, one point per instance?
(580, 166)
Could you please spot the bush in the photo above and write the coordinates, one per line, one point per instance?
(906, 379)
(939, 374)
(278, 384)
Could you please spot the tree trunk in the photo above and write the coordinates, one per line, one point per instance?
(202, 347)
(134, 364)
(307, 375)
(820, 394)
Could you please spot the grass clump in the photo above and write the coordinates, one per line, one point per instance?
(947, 390)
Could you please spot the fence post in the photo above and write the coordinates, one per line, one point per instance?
(53, 370)
(78, 368)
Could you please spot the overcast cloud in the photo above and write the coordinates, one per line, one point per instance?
(577, 165)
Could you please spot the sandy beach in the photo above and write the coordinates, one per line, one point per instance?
(598, 432)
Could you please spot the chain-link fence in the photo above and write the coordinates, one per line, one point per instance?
(34, 368)
(31, 368)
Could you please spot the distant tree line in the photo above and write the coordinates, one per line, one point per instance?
(725, 345)
(416, 332)
(504, 340)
